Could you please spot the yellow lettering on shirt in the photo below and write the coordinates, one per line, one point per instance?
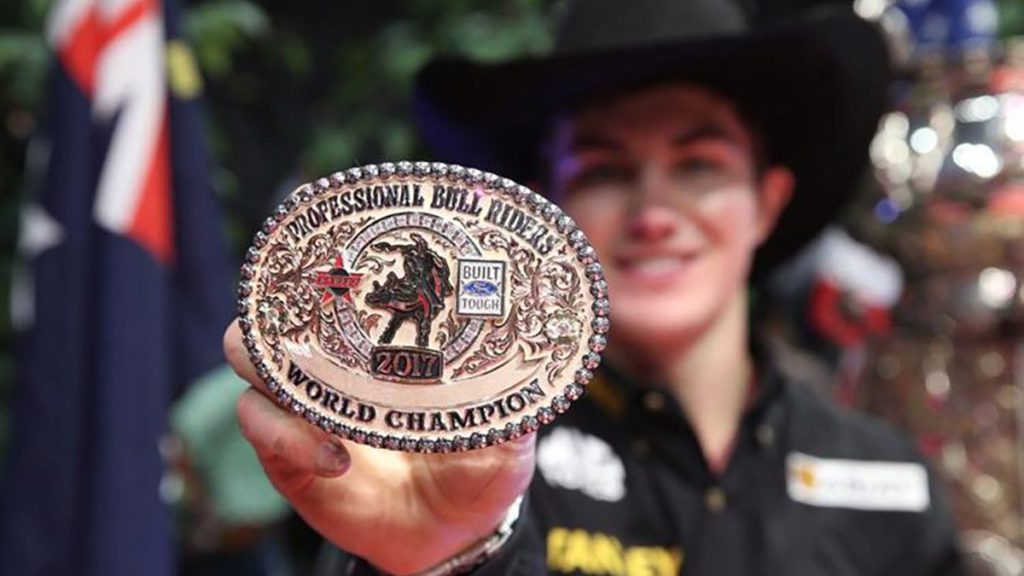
(597, 554)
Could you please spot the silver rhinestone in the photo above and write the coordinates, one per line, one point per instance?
(537, 201)
(583, 376)
(523, 194)
(441, 169)
(392, 443)
(506, 184)
(565, 224)
(312, 417)
(320, 186)
(600, 325)
(262, 370)
(269, 225)
(421, 168)
(342, 431)
(460, 444)
(353, 174)
(403, 168)
(374, 439)
(252, 255)
(551, 212)
(290, 202)
(594, 271)
(425, 446)
(280, 213)
(599, 288)
(371, 171)
(587, 254)
(283, 397)
(244, 288)
(490, 179)
(545, 415)
(337, 179)
(513, 431)
(457, 172)
(495, 436)
(328, 425)
(444, 446)
(529, 424)
(577, 238)
(359, 436)
(560, 404)
(297, 407)
(386, 169)
(598, 343)
(474, 176)
(408, 444)
(477, 440)
(260, 239)
(248, 271)
(573, 391)
(242, 307)
(591, 361)
(273, 385)
(602, 307)
(245, 325)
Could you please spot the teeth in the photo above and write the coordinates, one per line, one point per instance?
(655, 265)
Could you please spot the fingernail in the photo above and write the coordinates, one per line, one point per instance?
(331, 459)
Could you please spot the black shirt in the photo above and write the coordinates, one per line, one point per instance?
(811, 489)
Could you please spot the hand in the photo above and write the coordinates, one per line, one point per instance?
(402, 512)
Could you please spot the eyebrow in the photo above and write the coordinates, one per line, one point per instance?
(703, 132)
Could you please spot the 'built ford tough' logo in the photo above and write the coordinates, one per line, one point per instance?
(481, 288)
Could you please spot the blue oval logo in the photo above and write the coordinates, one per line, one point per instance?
(480, 288)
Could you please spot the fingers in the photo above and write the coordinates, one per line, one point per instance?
(293, 452)
(238, 356)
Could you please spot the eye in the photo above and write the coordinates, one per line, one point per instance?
(598, 175)
(694, 165)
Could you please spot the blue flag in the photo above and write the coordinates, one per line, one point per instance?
(123, 295)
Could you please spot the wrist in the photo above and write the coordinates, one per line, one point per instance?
(481, 551)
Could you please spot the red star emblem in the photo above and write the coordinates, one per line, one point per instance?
(337, 282)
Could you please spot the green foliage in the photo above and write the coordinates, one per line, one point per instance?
(218, 30)
(1011, 18)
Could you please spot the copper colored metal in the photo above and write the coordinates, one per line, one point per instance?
(423, 307)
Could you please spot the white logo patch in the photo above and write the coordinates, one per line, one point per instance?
(573, 460)
(857, 484)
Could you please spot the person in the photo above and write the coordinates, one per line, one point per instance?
(696, 151)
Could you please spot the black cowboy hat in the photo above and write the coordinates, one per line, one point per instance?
(814, 86)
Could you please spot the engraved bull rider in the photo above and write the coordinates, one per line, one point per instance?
(419, 295)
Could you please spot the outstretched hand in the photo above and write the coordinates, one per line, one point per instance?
(402, 512)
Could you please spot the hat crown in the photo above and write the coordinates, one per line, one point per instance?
(591, 25)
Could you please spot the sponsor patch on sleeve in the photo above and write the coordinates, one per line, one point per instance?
(857, 484)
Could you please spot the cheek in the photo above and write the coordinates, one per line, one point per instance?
(730, 220)
(600, 219)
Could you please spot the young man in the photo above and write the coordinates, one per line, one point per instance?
(693, 152)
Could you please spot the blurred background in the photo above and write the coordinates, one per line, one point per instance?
(266, 95)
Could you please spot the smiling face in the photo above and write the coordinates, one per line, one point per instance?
(664, 182)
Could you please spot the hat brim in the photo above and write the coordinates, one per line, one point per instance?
(815, 88)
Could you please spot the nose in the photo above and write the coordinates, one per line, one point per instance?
(651, 218)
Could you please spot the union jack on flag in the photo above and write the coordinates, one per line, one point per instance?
(122, 294)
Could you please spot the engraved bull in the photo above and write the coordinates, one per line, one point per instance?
(419, 295)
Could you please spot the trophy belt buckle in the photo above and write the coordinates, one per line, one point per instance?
(423, 307)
